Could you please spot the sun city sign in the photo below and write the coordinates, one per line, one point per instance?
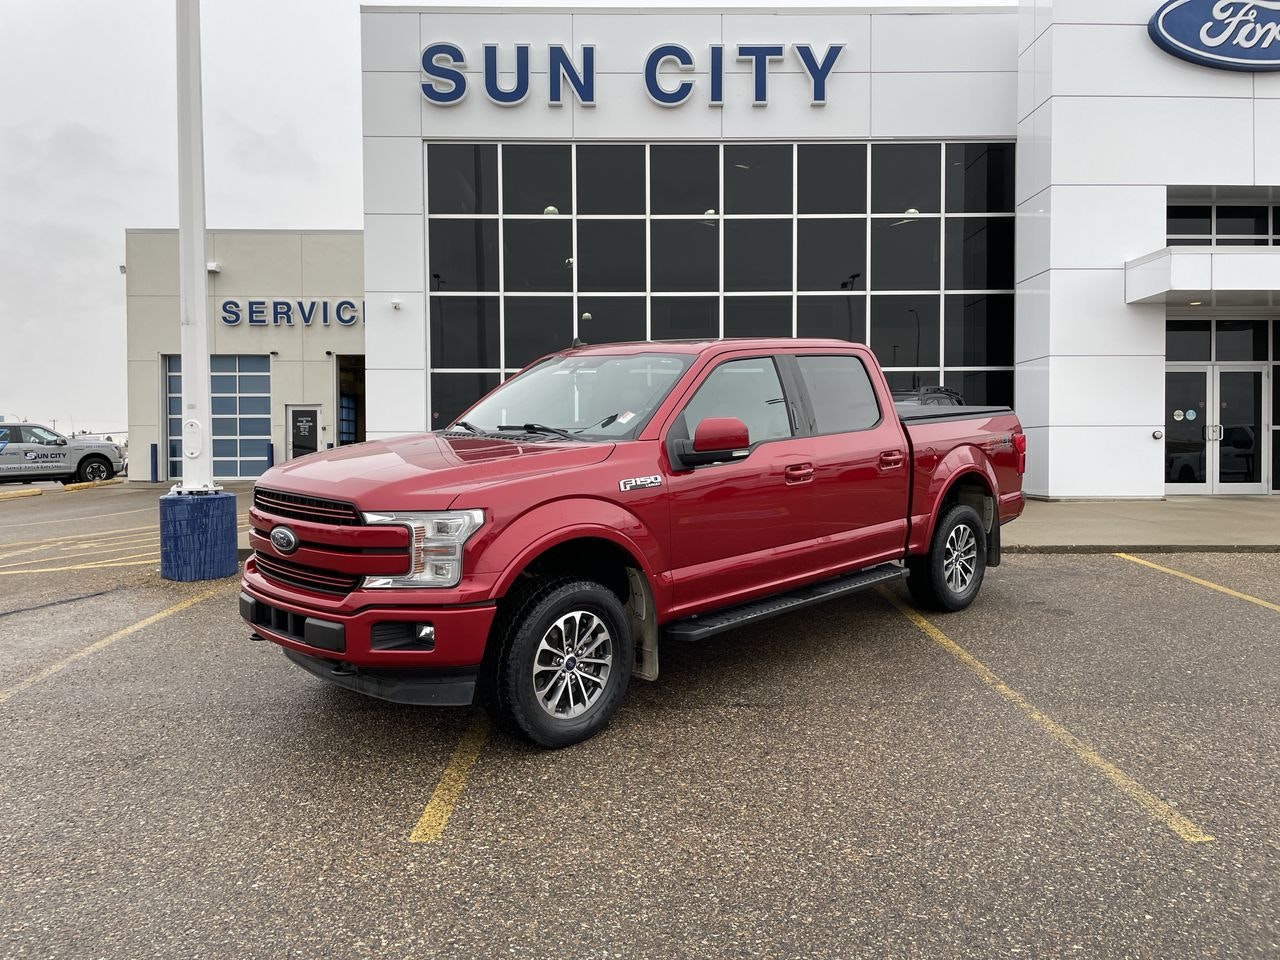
(1227, 34)
(446, 85)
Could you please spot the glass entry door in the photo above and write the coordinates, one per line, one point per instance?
(1215, 429)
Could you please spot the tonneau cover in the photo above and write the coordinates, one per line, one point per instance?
(916, 413)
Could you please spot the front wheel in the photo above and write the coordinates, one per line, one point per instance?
(949, 576)
(561, 663)
(93, 469)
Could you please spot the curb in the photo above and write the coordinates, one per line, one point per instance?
(1088, 548)
(19, 494)
(73, 487)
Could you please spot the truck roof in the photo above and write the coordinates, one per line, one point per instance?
(703, 346)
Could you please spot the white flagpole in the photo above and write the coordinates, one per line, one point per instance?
(197, 452)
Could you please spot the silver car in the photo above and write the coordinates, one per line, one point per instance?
(29, 451)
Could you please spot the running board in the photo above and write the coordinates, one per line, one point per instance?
(709, 624)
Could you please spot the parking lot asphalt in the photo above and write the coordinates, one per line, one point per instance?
(839, 783)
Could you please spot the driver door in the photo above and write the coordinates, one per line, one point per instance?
(41, 453)
(731, 522)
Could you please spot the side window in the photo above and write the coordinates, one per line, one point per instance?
(747, 389)
(841, 392)
(39, 435)
(8, 435)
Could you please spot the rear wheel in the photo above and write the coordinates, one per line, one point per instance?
(93, 469)
(950, 575)
(561, 661)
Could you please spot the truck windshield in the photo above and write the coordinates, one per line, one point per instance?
(591, 396)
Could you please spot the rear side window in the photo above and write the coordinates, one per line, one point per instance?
(841, 393)
(748, 390)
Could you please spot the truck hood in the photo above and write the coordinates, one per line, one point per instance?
(425, 471)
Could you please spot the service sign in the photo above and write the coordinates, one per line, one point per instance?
(1226, 34)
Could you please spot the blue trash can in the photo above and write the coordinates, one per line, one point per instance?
(198, 536)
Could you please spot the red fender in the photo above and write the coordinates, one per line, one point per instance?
(933, 488)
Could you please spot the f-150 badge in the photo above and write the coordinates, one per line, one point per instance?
(639, 483)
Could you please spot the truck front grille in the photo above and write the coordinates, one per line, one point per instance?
(295, 506)
(309, 578)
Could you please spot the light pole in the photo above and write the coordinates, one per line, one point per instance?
(197, 520)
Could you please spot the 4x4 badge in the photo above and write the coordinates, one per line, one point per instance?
(639, 483)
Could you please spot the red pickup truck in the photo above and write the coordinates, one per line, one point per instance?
(536, 551)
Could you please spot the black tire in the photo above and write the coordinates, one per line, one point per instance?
(94, 468)
(528, 615)
(929, 583)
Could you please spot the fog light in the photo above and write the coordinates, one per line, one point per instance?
(426, 635)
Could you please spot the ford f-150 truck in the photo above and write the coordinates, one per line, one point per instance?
(534, 552)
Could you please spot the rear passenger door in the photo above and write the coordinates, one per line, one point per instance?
(10, 450)
(861, 487)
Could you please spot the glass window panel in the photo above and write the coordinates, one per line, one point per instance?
(904, 331)
(175, 427)
(465, 332)
(757, 255)
(1243, 221)
(903, 381)
(222, 363)
(173, 363)
(749, 390)
(757, 178)
(175, 470)
(226, 469)
(224, 426)
(1243, 241)
(258, 405)
(610, 319)
(1242, 340)
(684, 178)
(611, 255)
(175, 406)
(841, 392)
(838, 318)
(685, 318)
(255, 384)
(1275, 458)
(979, 253)
(538, 255)
(757, 316)
(175, 449)
(832, 178)
(253, 468)
(255, 363)
(980, 177)
(254, 448)
(979, 330)
(463, 254)
(224, 448)
(985, 388)
(1192, 220)
(1187, 242)
(255, 426)
(904, 255)
(175, 383)
(535, 177)
(610, 178)
(536, 326)
(452, 393)
(685, 255)
(223, 384)
(462, 178)
(905, 177)
(832, 254)
(1188, 340)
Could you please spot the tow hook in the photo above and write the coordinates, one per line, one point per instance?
(256, 638)
(344, 670)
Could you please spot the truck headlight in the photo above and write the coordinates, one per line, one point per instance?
(435, 546)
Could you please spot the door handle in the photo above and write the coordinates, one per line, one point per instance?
(892, 459)
(799, 473)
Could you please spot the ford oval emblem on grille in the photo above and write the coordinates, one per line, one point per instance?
(284, 540)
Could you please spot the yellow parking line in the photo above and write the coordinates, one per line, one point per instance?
(1204, 583)
(9, 692)
(97, 565)
(1149, 802)
(435, 816)
(115, 548)
(101, 516)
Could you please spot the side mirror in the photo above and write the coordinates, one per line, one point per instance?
(716, 440)
(60, 442)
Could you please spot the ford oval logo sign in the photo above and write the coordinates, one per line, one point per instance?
(284, 540)
(1227, 34)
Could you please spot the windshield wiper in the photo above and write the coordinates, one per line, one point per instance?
(538, 428)
(469, 427)
(599, 423)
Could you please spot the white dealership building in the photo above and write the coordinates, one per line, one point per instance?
(1067, 205)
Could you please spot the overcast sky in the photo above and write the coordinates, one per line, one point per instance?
(88, 147)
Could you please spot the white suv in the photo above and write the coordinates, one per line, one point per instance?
(29, 452)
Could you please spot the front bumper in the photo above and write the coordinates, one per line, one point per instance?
(435, 688)
(346, 632)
